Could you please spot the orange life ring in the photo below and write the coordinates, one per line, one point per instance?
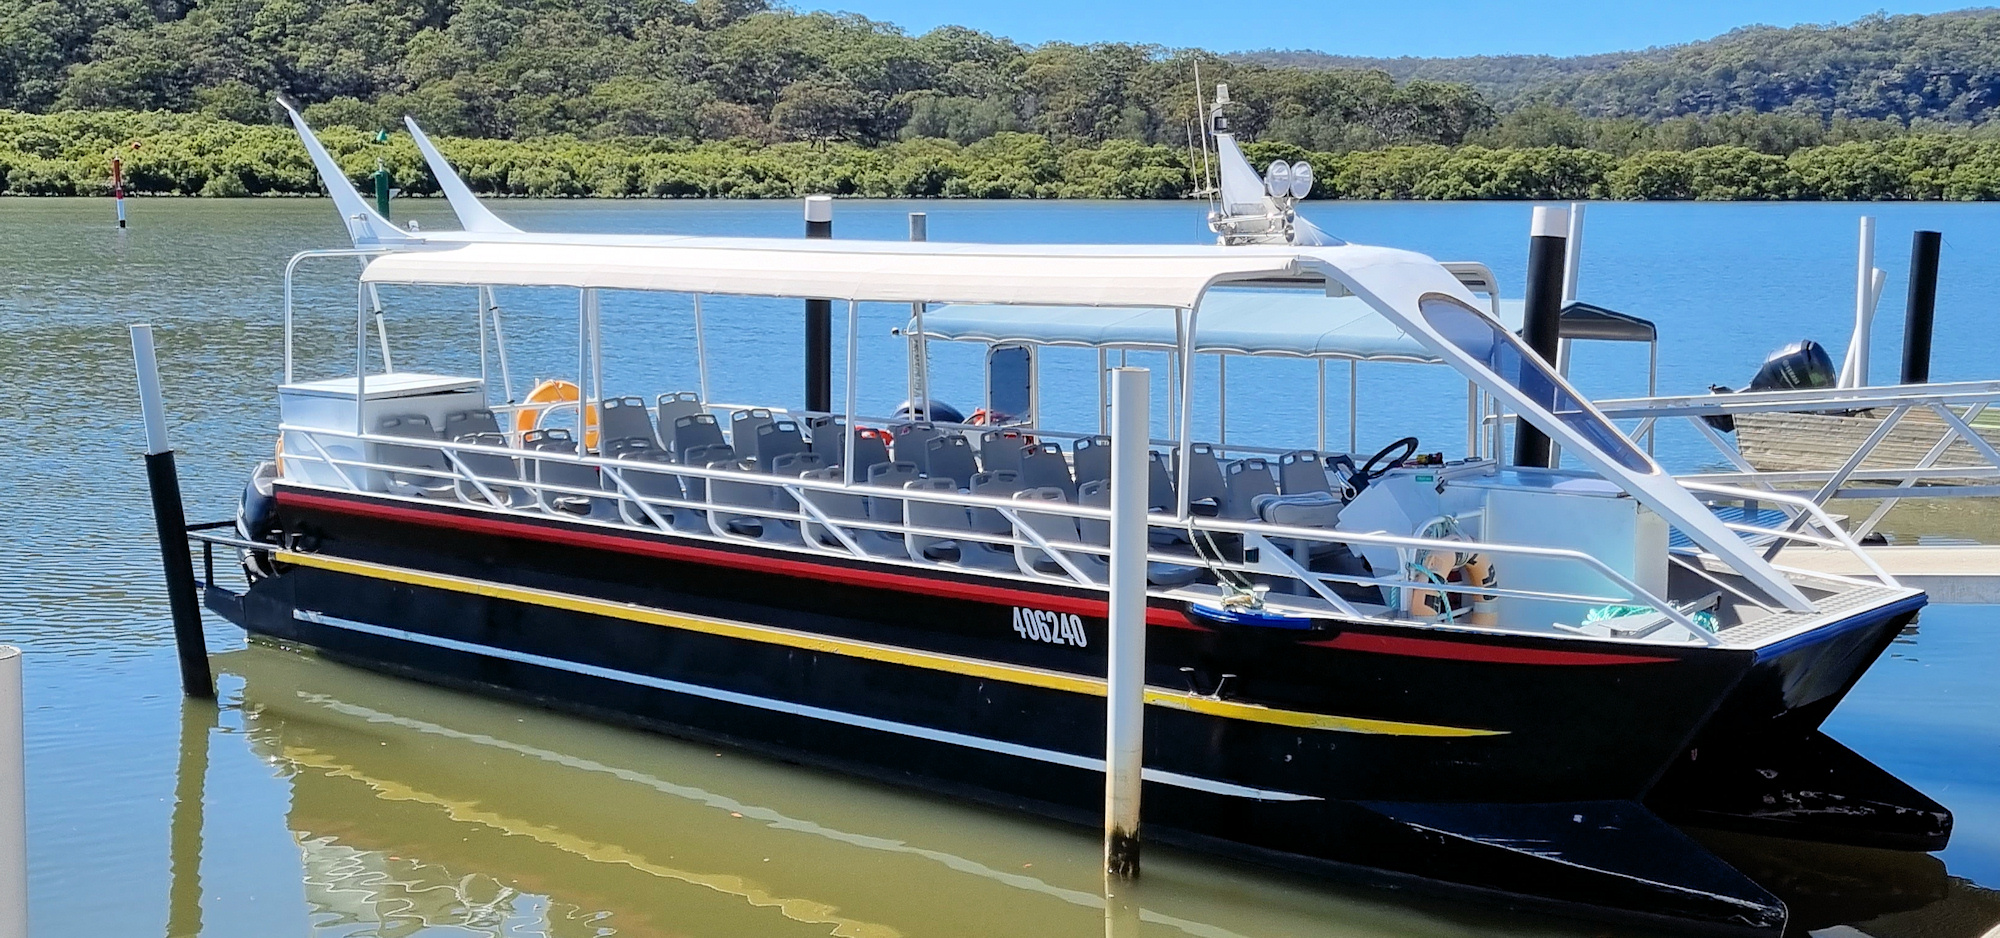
(554, 391)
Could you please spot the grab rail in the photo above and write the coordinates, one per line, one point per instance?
(1271, 560)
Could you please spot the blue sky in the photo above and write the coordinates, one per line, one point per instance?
(1406, 27)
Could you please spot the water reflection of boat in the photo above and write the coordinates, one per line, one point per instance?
(419, 808)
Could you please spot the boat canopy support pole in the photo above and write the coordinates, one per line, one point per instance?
(1184, 337)
(1320, 404)
(170, 518)
(920, 352)
(1353, 407)
(1222, 400)
(381, 329)
(492, 305)
(700, 351)
(847, 406)
(1126, 672)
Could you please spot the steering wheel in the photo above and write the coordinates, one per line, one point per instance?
(1369, 473)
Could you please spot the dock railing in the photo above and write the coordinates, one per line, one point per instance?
(1856, 465)
(1231, 559)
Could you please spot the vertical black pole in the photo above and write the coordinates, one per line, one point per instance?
(1541, 322)
(819, 317)
(171, 521)
(1922, 307)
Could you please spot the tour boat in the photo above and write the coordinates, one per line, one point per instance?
(1423, 669)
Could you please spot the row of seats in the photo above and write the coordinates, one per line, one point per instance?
(913, 455)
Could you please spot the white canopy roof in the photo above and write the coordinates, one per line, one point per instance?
(1163, 276)
(1237, 322)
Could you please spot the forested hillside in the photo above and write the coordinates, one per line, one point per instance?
(1943, 67)
(690, 69)
(1500, 78)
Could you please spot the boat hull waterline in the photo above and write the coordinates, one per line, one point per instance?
(1522, 769)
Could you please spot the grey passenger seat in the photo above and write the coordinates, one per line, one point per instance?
(559, 472)
(1093, 460)
(499, 472)
(950, 457)
(466, 422)
(1207, 491)
(434, 477)
(1043, 467)
(1001, 449)
(944, 516)
(887, 509)
(841, 507)
(997, 554)
(692, 432)
(649, 480)
(1248, 478)
(1097, 533)
(671, 407)
(1053, 529)
(624, 418)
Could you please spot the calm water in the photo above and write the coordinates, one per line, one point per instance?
(317, 799)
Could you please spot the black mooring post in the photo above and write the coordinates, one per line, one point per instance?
(1922, 306)
(1541, 321)
(819, 317)
(171, 521)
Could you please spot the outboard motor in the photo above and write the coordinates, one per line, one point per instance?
(936, 410)
(1803, 364)
(257, 520)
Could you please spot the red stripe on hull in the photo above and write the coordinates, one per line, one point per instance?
(722, 558)
(1464, 651)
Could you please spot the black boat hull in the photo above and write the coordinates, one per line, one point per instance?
(1511, 767)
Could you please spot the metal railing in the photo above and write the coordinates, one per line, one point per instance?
(807, 516)
(1852, 471)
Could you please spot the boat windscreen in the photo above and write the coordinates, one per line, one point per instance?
(1479, 336)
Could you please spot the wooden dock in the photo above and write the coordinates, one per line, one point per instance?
(1968, 575)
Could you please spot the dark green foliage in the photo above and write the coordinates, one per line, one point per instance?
(191, 154)
(691, 69)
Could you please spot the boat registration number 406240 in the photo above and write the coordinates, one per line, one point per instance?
(1059, 628)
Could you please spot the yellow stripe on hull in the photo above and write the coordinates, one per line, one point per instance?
(871, 651)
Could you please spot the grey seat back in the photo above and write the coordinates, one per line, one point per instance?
(435, 475)
(459, 423)
(712, 454)
(1248, 478)
(671, 407)
(1043, 467)
(950, 457)
(794, 465)
(693, 432)
(498, 472)
(884, 509)
(823, 434)
(1203, 477)
(624, 418)
(1302, 472)
(1160, 494)
(1097, 533)
(1052, 528)
(1001, 449)
(559, 472)
(908, 442)
(1093, 459)
(649, 479)
(937, 515)
(743, 426)
(994, 483)
(775, 439)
